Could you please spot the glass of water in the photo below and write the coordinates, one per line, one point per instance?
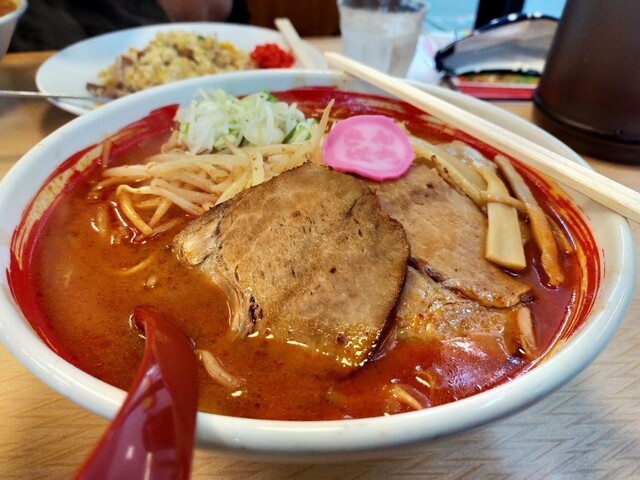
(382, 33)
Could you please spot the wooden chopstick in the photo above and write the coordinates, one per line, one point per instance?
(617, 197)
(288, 31)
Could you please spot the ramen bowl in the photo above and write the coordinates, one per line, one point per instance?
(609, 278)
(8, 25)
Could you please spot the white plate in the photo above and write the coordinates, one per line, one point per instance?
(69, 70)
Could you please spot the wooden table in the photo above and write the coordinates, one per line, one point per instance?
(588, 429)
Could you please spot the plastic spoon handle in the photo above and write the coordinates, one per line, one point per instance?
(153, 433)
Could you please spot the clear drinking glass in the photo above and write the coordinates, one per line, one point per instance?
(381, 34)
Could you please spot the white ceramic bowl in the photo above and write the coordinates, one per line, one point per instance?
(325, 440)
(8, 25)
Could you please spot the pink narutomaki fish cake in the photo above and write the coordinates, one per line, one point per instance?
(372, 146)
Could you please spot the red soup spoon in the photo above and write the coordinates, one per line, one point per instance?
(152, 435)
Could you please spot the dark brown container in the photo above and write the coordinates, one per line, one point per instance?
(589, 93)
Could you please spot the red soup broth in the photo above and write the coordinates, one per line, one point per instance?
(79, 289)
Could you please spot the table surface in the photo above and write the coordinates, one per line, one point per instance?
(590, 428)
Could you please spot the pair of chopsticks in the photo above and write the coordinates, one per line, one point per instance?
(617, 197)
(603, 190)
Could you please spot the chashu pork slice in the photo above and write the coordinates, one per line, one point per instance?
(429, 310)
(447, 232)
(308, 257)
(476, 345)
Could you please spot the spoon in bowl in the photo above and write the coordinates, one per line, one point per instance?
(152, 435)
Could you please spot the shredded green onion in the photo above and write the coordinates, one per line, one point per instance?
(215, 118)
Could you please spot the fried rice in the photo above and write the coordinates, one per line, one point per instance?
(169, 57)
